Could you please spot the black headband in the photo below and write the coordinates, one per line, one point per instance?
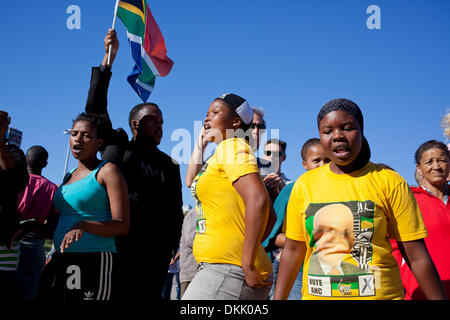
(238, 104)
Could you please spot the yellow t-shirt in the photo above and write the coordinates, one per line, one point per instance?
(220, 208)
(346, 222)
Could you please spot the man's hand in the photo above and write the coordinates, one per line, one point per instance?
(110, 39)
(273, 180)
(274, 184)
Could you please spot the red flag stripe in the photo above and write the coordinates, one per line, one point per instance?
(155, 46)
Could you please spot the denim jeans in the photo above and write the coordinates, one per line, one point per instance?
(30, 266)
(216, 281)
(296, 291)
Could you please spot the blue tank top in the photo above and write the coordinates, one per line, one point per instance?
(82, 200)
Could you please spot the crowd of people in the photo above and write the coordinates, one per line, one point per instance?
(345, 229)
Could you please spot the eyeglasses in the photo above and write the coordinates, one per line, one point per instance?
(275, 153)
(258, 125)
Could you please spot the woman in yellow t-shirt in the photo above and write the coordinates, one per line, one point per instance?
(234, 213)
(340, 217)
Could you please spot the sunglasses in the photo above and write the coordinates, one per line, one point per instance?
(258, 125)
(275, 153)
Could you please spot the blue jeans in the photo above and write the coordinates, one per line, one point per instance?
(217, 281)
(30, 266)
(296, 291)
(173, 278)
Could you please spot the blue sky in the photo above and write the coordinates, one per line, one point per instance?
(288, 57)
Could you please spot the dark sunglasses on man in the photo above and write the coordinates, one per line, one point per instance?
(276, 153)
(260, 126)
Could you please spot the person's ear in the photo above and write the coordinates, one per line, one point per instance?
(418, 169)
(99, 143)
(237, 122)
(420, 172)
(135, 124)
(304, 165)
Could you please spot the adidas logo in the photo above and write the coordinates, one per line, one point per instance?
(88, 296)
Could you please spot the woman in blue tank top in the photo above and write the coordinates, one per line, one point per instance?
(93, 205)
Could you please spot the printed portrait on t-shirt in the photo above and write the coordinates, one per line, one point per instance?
(200, 221)
(340, 235)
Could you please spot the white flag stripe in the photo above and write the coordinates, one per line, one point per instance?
(134, 38)
(137, 39)
(144, 85)
(149, 62)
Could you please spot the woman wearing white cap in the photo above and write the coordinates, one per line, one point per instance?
(234, 212)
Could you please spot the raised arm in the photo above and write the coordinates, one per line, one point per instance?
(97, 102)
(98, 91)
(196, 161)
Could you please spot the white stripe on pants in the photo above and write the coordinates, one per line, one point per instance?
(104, 290)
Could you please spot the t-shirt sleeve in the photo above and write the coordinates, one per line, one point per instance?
(406, 222)
(295, 228)
(237, 159)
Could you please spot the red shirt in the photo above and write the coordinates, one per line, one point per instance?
(436, 216)
(36, 200)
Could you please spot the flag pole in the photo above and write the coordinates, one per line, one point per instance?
(113, 24)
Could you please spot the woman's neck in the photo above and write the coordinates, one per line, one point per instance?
(438, 191)
(88, 164)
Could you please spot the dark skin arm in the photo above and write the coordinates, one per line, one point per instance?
(290, 263)
(271, 222)
(110, 39)
(256, 200)
(196, 161)
(419, 261)
(110, 177)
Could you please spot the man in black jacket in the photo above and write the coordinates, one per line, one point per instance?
(13, 179)
(154, 188)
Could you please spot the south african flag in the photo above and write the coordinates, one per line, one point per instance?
(147, 46)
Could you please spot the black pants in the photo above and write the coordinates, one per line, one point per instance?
(142, 274)
(79, 276)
